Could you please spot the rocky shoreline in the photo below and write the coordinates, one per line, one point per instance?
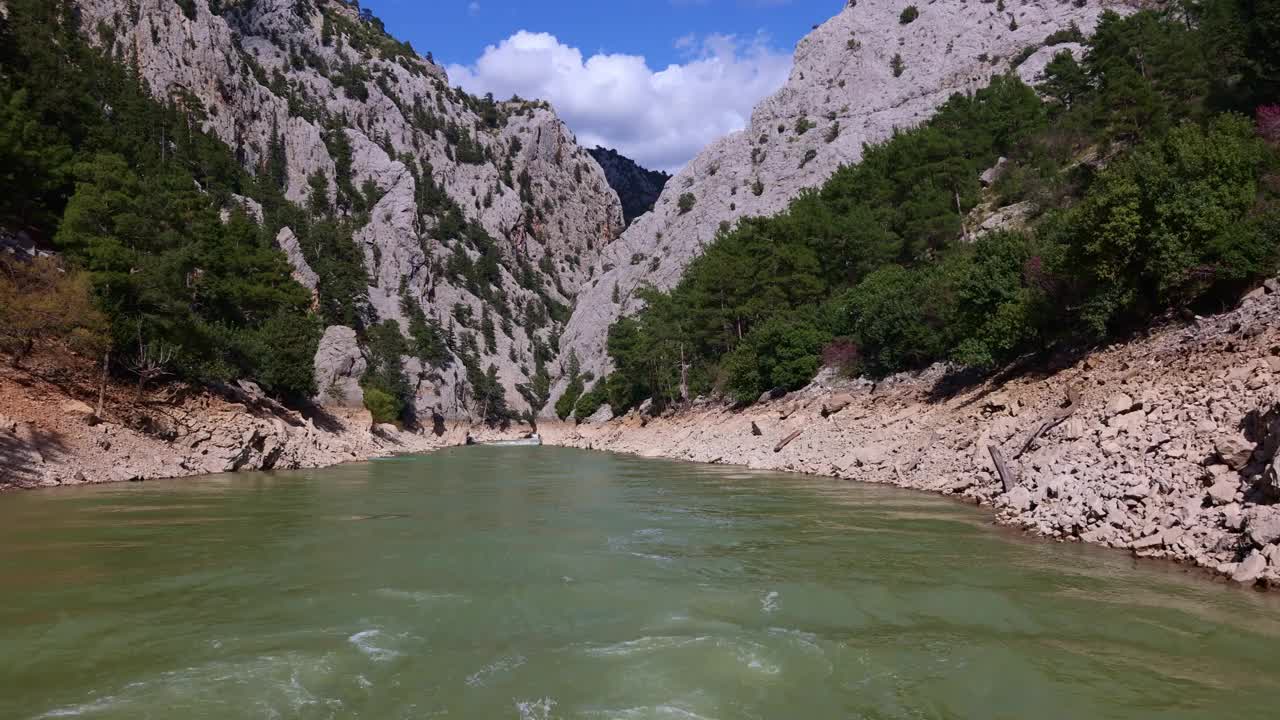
(1165, 446)
(50, 436)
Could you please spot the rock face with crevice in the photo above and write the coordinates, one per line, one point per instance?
(842, 94)
(298, 72)
(637, 188)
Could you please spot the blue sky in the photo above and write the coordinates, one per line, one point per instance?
(456, 33)
(657, 80)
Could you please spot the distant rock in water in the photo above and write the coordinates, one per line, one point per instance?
(637, 188)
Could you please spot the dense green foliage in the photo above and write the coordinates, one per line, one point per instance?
(387, 393)
(132, 191)
(1153, 191)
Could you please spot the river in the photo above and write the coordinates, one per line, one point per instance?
(550, 583)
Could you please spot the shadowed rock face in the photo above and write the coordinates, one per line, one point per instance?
(637, 188)
(842, 93)
(517, 172)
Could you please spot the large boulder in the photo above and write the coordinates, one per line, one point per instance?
(1251, 569)
(1263, 525)
(339, 365)
(1234, 450)
(601, 416)
(836, 403)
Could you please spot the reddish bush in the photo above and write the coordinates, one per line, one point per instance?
(844, 355)
(1269, 122)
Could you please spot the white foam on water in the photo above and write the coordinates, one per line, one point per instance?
(279, 683)
(420, 597)
(535, 709)
(653, 557)
(648, 711)
(751, 655)
(769, 602)
(806, 639)
(646, 644)
(98, 705)
(501, 665)
(366, 642)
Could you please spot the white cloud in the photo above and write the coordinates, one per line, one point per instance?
(659, 118)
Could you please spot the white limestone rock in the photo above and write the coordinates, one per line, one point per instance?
(339, 366)
(547, 241)
(842, 83)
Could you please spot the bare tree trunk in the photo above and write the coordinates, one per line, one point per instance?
(1007, 479)
(684, 377)
(102, 386)
(964, 229)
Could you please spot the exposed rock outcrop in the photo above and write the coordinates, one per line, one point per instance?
(339, 367)
(842, 94)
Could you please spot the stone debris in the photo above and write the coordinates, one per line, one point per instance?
(1234, 450)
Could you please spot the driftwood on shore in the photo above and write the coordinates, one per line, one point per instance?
(1007, 478)
(787, 440)
(1059, 417)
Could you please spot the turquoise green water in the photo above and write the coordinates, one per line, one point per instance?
(549, 583)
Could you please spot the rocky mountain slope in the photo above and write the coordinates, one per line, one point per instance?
(637, 188)
(1168, 446)
(856, 78)
(485, 215)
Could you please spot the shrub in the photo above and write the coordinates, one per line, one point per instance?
(591, 401)
(40, 302)
(686, 203)
(890, 314)
(1170, 224)
(1071, 33)
(909, 15)
(1269, 122)
(780, 353)
(843, 355)
(383, 407)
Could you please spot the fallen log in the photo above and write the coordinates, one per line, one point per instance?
(1007, 478)
(787, 440)
(1059, 417)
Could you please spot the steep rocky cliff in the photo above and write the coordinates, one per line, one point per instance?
(637, 188)
(856, 79)
(485, 215)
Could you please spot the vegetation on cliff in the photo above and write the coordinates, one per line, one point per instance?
(1152, 186)
(133, 192)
